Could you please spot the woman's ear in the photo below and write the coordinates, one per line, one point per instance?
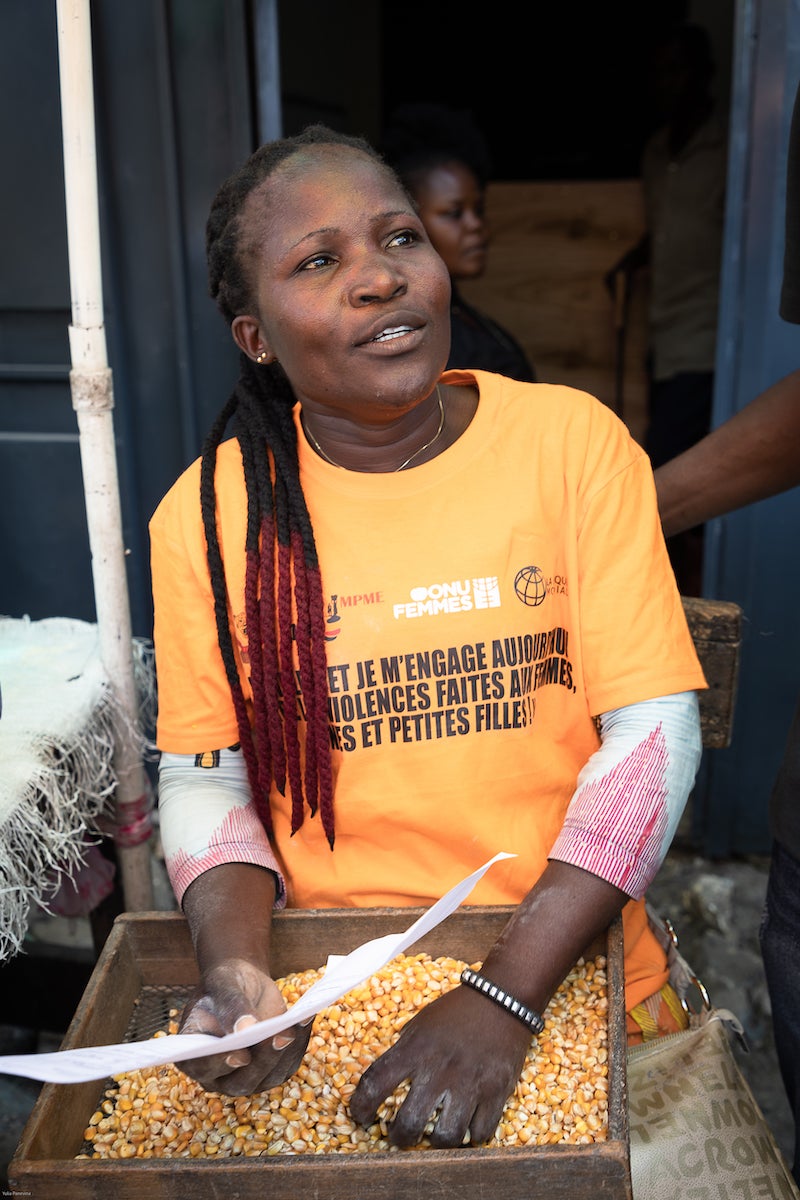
(248, 337)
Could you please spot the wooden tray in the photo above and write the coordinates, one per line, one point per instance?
(148, 951)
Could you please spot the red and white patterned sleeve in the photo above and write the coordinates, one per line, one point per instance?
(632, 792)
(207, 817)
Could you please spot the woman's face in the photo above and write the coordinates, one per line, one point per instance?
(352, 300)
(452, 207)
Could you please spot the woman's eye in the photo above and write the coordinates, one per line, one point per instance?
(406, 237)
(315, 262)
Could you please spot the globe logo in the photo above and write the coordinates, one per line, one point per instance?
(530, 586)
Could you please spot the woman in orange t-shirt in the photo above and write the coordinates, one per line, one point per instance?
(431, 610)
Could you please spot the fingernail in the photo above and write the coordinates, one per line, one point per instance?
(240, 1058)
(281, 1041)
(307, 1021)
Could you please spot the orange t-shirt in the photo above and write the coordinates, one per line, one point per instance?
(482, 609)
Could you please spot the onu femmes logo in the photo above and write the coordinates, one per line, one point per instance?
(460, 595)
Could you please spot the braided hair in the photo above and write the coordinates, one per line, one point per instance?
(284, 604)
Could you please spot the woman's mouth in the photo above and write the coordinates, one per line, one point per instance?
(388, 335)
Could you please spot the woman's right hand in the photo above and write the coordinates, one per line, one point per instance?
(231, 996)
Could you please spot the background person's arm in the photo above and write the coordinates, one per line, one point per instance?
(753, 455)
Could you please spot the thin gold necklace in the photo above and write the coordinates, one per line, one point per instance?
(403, 465)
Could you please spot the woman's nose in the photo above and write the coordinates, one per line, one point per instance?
(377, 280)
(474, 220)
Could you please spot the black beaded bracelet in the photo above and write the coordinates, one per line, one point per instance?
(526, 1015)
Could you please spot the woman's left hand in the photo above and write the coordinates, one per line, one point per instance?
(463, 1056)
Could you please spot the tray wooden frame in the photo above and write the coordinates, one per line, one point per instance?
(154, 949)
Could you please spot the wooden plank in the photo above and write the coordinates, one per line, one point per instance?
(716, 628)
(713, 620)
(544, 1173)
(551, 248)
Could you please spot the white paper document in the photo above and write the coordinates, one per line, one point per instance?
(341, 974)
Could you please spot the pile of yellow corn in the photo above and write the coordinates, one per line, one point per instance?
(561, 1095)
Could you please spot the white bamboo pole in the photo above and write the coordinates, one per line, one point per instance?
(93, 402)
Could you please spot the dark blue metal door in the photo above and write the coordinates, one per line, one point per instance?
(753, 555)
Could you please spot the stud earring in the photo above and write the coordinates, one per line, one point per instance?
(261, 357)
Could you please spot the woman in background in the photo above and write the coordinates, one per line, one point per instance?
(443, 161)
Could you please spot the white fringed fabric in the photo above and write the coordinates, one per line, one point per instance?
(57, 731)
